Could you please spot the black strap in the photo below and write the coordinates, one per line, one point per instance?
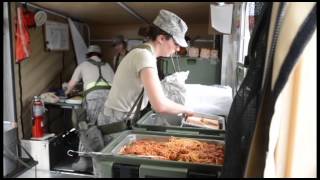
(127, 122)
(136, 115)
(100, 78)
(113, 127)
(86, 92)
(98, 64)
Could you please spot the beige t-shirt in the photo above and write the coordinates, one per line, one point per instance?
(127, 84)
(89, 72)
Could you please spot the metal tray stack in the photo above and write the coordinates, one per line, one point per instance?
(110, 163)
(152, 121)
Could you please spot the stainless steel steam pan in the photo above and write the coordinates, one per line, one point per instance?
(130, 138)
(220, 119)
(110, 157)
(152, 121)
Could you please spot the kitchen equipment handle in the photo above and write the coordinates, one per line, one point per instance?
(81, 153)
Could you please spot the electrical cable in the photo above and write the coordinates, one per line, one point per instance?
(21, 103)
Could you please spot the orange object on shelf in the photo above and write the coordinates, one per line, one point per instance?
(214, 53)
(193, 52)
(205, 53)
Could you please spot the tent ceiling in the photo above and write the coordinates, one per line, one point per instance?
(111, 13)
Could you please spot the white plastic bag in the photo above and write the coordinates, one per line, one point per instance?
(212, 100)
(174, 86)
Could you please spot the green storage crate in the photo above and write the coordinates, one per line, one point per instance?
(202, 71)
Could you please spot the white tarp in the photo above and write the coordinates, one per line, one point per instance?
(211, 100)
(80, 46)
(221, 17)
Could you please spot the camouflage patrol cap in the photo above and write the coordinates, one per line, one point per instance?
(173, 25)
(94, 48)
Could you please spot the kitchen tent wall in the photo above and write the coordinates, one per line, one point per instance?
(56, 67)
(8, 96)
(107, 32)
(42, 71)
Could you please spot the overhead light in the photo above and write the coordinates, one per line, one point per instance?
(222, 3)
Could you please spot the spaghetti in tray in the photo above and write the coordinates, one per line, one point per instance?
(177, 149)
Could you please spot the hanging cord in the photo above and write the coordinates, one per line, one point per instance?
(62, 71)
(178, 63)
(21, 104)
(174, 66)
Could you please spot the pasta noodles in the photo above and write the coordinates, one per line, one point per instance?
(178, 149)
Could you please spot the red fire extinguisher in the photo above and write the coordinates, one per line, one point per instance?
(38, 117)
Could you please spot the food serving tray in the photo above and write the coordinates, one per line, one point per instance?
(104, 166)
(130, 138)
(152, 121)
(220, 119)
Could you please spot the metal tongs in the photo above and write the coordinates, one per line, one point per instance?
(90, 154)
(87, 154)
(183, 116)
(174, 66)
